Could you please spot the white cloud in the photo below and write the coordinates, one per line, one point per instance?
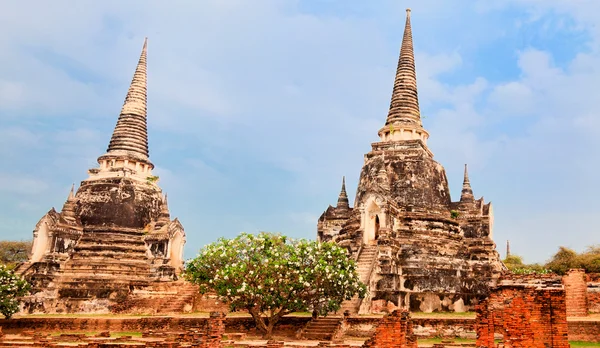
(22, 185)
(270, 83)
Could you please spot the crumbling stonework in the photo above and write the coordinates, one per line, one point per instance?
(430, 254)
(394, 330)
(576, 293)
(207, 335)
(331, 221)
(114, 235)
(593, 292)
(526, 315)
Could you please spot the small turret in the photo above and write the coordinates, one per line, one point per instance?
(467, 193)
(342, 202)
(165, 216)
(68, 210)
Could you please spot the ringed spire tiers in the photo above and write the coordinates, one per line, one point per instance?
(130, 136)
(343, 197)
(404, 117)
(467, 193)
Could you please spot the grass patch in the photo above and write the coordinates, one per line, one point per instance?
(464, 315)
(94, 333)
(90, 315)
(439, 340)
(584, 344)
(580, 344)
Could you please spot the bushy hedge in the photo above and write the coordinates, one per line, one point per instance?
(564, 260)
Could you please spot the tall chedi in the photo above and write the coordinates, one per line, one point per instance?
(416, 248)
(114, 235)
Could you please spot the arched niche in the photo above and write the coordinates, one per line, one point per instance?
(374, 219)
(176, 251)
(41, 238)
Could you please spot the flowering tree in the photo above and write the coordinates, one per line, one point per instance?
(11, 287)
(271, 276)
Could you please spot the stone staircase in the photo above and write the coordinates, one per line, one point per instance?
(186, 293)
(322, 329)
(364, 263)
(103, 261)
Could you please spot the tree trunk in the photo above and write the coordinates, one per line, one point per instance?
(266, 328)
(260, 323)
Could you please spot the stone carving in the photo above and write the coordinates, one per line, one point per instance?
(115, 234)
(431, 254)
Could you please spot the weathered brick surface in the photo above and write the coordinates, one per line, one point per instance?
(588, 331)
(593, 292)
(209, 335)
(593, 302)
(287, 326)
(527, 317)
(394, 330)
(576, 293)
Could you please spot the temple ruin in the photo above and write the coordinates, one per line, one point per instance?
(528, 312)
(114, 235)
(415, 247)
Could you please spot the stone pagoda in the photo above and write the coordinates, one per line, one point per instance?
(415, 248)
(115, 234)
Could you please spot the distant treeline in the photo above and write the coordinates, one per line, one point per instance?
(560, 263)
(14, 252)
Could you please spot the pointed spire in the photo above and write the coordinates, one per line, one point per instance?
(467, 192)
(130, 136)
(68, 210)
(343, 197)
(165, 205)
(72, 193)
(404, 107)
(165, 216)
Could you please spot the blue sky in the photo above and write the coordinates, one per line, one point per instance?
(258, 108)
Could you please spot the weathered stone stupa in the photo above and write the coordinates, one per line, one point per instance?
(415, 247)
(115, 234)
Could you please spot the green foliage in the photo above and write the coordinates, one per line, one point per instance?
(454, 214)
(152, 179)
(14, 252)
(566, 259)
(513, 261)
(11, 288)
(271, 276)
(531, 269)
(515, 264)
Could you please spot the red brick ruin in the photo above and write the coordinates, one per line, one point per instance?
(576, 293)
(208, 335)
(527, 315)
(394, 331)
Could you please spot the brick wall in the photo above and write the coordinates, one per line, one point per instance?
(208, 335)
(593, 292)
(209, 303)
(576, 293)
(588, 331)
(593, 301)
(358, 327)
(287, 326)
(361, 327)
(527, 317)
(394, 330)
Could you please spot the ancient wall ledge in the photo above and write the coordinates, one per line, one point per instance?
(357, 326)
